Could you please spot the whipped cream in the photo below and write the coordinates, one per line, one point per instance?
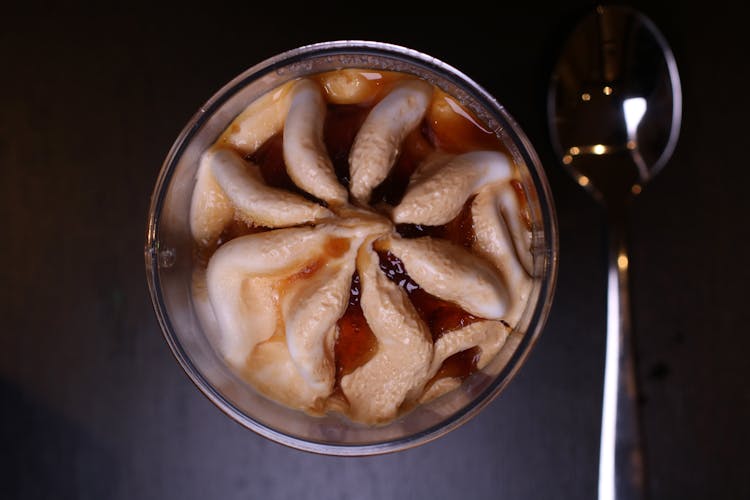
(273, 300)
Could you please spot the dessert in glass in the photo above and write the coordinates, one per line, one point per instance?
(351, 248)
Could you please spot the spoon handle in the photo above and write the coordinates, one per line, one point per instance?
(621, 474)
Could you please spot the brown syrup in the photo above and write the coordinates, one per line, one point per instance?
(306, 272)
(447, 127)
(523, 204)
(336, 247)
(343, 121)
(333, 248)
(234, 229)
(439, 315)
(356, 344)
(238, 228)
(460, 230)
(270, 159)
(377, 84)
(415, 148)
(460, 365)
(454, 129)
(342, 124)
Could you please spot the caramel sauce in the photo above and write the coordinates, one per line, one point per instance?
(270, 159)
(336, 247)
(234, 229)
(454, 129)
(415, 148)
(341, 126)
(460, 366)
(374, 85)
(355, 344)
(439, 315)
(237, 228)
(523, 204)
(460, 230)
(304, 273)
(343, 121)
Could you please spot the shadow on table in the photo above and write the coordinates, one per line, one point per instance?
(45, 455)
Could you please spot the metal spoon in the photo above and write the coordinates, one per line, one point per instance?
(614, 111)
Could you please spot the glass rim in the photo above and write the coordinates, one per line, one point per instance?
(510, 127)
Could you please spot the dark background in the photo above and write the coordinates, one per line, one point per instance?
(92, 404)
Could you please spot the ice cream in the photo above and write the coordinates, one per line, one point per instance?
(355, 232)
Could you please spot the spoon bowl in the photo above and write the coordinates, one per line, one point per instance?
(614, 112)
(615, 103)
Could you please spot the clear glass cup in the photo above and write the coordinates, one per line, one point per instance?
(169, 259)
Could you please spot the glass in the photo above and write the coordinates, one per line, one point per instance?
(169, 259)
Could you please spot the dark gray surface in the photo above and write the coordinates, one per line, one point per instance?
(92, 404)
